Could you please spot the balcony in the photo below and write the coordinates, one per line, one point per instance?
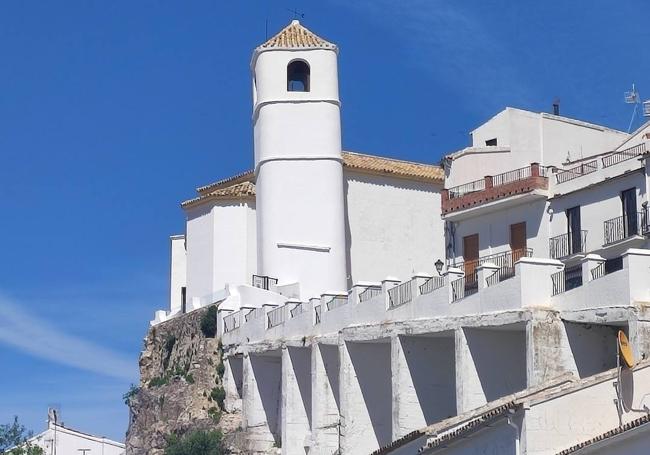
(524, 181)
(565, 245)
(623, 155)
(624, 227)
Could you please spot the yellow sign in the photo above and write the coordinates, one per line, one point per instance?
(626, 351)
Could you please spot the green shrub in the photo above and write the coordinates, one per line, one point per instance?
(218, 395)
(209, 322)
(215, 414)
(169, 346)
(196, 443)
(189, 377)
(133, 391)
(157, 382)
(221, 368)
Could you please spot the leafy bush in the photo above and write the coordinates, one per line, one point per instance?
(196, 443)
(169, 346)
(218, 395)
(221, 368)
(215, 414)
(189, 377)
(209, 322)
(133, 391)
(157, 382)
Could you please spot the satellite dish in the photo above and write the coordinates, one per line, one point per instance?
(624, 348)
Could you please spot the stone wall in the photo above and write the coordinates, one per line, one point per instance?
(180, 379)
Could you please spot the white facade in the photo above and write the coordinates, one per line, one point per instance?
(177, 274)
(362, 345)
(60, 440)
(299, 174)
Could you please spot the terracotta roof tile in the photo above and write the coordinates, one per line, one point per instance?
(294, 36)
(242, 185)
(381, 165)
(243, 190)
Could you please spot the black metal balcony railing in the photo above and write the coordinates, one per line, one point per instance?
(317, 313)
(623, 155)
(369, 293)
(598, 272)
(232, 321)
(466, 188)
(276, 316)
(336, 302)
(264, 282)
(298, 310)
(567, 279)
(400, 294)
(512, 176)
(502, 274)
(432, 284)
(565, 245)
(625, 226)
(575, 172)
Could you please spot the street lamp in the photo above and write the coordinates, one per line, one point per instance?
(439, 265)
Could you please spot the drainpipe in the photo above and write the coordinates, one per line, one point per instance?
(511, 422)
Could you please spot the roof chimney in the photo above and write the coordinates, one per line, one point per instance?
(556, 106)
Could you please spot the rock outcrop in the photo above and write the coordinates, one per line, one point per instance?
(180, 385)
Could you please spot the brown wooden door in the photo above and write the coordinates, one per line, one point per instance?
(470, 255)
(518, 240)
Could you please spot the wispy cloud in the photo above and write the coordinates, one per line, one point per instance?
(42, 339)
(451, 43)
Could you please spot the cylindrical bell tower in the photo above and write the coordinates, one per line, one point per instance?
(298, 165)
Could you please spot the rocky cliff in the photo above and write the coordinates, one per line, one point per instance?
(180, 385)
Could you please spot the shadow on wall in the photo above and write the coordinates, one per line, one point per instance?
(500, 360)
(331, 361)
(371, 362)
(301, 362)
(431, 364)
(268, 373)
(593, 347)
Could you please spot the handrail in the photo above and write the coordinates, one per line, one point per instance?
(512, 176)
(625, 226)
(232, 321)
(564, 245)
(623, 155)
(369, 293)
(336, 302)
(432, 284)
(277, 316)
(505, 258)
(400, 294)
(466, 188)
(298, 309)
(577, 171)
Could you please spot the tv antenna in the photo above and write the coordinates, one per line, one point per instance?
(633, 97)
(296, 14)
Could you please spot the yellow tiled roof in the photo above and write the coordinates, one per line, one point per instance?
(242, 185)
(243, 190)
(295, 35)
(381, 165)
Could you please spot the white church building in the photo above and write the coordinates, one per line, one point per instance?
(372, 305)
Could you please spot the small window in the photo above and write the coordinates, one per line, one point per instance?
(491, 142)
(298, 76)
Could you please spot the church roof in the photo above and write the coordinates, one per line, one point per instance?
(242, 185)
(242, 190)
(296, 36)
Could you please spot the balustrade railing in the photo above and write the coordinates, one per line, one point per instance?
(558, 282)
(457, 289)
(263, 282)
(512, 176)
(232, 321)
(432, 284)
(623, 155)
(598, 272)
(318, 310)
(254, 314)
(567, 244)
(277, 316)
(575, 172)
(567, 279)
(298, 309)
(369, 293)
(625, 226)
(400, 294)
(336, 302)
(466, 188)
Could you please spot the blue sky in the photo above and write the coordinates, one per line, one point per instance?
(111, 113)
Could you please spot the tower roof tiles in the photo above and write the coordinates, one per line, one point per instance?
(296, 36)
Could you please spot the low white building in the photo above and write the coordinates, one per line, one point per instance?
(365, 308)
(58, 439)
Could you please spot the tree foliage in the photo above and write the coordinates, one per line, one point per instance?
(196, 443)
(14, 440)
(209, 322)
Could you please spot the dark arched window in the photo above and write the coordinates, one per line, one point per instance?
(298, 76)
